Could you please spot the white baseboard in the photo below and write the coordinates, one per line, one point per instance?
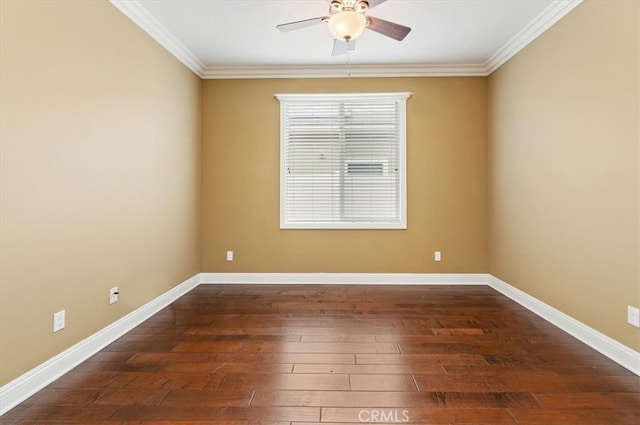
(347, 278)
(26, 385)
(617, 352)
(37, 378)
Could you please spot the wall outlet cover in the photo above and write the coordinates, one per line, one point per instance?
(633, 316)
(59, 320)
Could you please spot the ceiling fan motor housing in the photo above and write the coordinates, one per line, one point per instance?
(337, 6)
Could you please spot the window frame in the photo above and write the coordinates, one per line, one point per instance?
(401, 99)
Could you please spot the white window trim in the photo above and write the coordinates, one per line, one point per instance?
(401, 97)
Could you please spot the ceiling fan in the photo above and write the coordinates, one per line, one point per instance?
(347, 19)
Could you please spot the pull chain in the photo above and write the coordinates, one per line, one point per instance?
(348, 63)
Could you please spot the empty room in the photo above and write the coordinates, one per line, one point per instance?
(304, 212)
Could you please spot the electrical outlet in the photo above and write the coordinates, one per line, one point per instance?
(113, 295)
(58, 320)
(229, 255)
(633, 316)
(437, 256)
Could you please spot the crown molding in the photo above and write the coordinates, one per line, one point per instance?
(141, 17)
(545, 20)
(341, 71)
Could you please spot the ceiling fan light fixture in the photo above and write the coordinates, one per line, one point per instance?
(347, 25)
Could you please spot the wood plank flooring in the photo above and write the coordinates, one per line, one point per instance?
(305, 355)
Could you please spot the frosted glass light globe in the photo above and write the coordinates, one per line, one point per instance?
(347, 25)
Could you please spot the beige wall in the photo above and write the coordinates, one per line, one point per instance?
(447, 182)
(99, 173)
(100, 163)
(564, 137)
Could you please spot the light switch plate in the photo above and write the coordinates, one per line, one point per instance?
(113, 295)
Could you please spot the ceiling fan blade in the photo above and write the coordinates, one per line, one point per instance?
(341, 47)
(390, 29)
(374, 3)
(291, 26)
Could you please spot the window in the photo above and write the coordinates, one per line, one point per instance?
(342, 161)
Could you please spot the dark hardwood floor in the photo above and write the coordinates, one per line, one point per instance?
(289, 355)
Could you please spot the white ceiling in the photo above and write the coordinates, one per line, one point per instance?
(239, 39)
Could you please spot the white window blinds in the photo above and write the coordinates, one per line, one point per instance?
(342, 161)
